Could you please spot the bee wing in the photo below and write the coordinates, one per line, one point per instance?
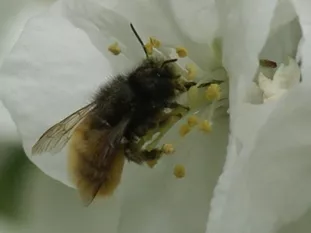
(56, 137)
(114, 137)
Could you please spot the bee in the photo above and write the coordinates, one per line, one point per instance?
(104, 133)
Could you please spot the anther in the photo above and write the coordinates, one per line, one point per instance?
(155, 42)
(206, 126)
(192, 72)
(213, 92)
(184, 129)
(114, 48)
(168, 149)
(181, 51)
(179, 171)
(193, 120)
(149, 48)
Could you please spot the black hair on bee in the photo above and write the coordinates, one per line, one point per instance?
(105, 132)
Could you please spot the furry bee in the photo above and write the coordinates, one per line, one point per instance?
(103, 133)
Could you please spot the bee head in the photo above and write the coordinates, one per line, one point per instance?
(153, 80)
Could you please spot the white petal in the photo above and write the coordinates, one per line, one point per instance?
(245, 26)
(155, 201)
(270, 182)
(266, 85)
(287, 75)
(284, 13)
(197, 19)
(51, 72)
(14, 14)
(104, 27)
(282, 42)
(157, 18)
(302, 7)
(152, 18)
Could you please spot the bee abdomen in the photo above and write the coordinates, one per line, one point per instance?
(92, 174)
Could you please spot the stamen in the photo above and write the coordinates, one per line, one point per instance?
(149, 48)
(192, 72)
(181, 51)
(155, 42)
(168, 149)
(213, 92)
(193, 120)
(206, 126)
(193, 96)
(115, 48)
(179, 171)
(184, 129)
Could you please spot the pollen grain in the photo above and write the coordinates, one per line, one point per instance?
(184, 129)
(193, 120)
(149, 48)
(181, 52)
(154, 42)
(168, 149)
(179, 171)
(115, 48)
(206, 126)
(213, 92)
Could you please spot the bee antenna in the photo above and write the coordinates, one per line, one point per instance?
(139, 39)
(168, 61)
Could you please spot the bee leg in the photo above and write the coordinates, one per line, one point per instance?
(174, 105)
(143, 129)
(188, 85)
(133, 151)
(164, 124)
(134, 154)
(209, 83)
(185, 86)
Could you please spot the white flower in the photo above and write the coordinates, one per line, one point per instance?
(62, 56)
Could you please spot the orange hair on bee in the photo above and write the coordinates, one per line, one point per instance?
(91, 175)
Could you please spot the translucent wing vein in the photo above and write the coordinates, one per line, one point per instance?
(56, 137)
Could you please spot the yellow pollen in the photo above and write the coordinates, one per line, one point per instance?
(155, 42)
(213, 92)
(114, 48)
(181, 51)
(168, 149)
(193, 120)
(206, 126)
(149, 48)
(152, 163)
(192, 72)
(184, 129)
(179, 171)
